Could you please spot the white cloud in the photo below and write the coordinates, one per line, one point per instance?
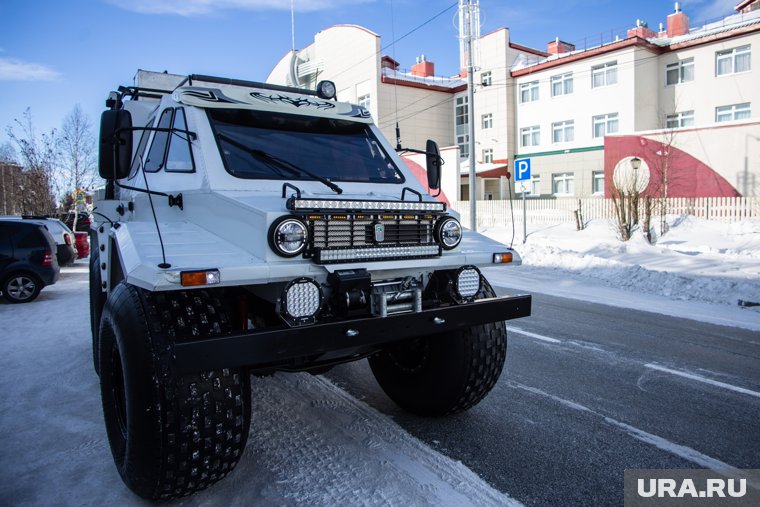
(198, 7)
(18, 70)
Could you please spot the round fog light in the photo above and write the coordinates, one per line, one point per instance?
(301, 301)
(468, 282)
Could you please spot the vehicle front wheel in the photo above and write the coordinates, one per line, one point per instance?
(170, 434)
(21, 287)
(446, 373)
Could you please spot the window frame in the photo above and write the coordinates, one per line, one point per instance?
(680, 118)
(171, 141)
(605, 120)
(486, 78)
(531, 91)
(733, 110)
(486, 121)
(568, 179)
(597, 176)
(608, 71)
(680, 67)
(487, 155)
(533, 130)
(564, 127)
(732, 55)
(564, 81)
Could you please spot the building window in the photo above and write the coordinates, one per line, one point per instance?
(604, 75)
(488, 156)
(733, 61)
(682, 119)
(563, 184)
(485, 78)
(530, 136)
(486, 121)
(563, 131)
(529, 92)
(461, 119)
(605, 124)
(364, 101)
(562, 84)
(535, 184)
(679, 72)
(733, 112)
(598, 182)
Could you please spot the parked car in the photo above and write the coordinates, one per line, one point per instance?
(83, 220)
(82, 244)
(27, 263)
(66, 252)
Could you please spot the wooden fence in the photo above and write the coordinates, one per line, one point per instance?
(557, 211)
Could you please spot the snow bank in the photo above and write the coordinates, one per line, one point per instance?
(696, 261)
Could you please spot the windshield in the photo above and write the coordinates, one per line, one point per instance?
(254, 144)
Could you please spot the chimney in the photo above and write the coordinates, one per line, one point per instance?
(678, 23)
(557, 46)
(641, 31)
(423, 68)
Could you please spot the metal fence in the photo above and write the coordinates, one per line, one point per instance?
(557, 211)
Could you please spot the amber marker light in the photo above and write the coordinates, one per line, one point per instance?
(502, 258)
(196, 278)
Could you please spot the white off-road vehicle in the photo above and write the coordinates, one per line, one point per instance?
(252, 228)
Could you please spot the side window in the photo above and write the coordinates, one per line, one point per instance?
(157, 153)
(179, 157)
(140, 150)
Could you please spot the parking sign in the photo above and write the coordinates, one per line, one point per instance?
(522, 169)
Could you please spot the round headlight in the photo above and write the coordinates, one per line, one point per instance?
(326, 90)
(287, 236)
(468, 282)
(448, 232)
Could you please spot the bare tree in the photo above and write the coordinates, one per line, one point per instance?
(38, 156)
(78, 154)
(629, 181)
(8, 153)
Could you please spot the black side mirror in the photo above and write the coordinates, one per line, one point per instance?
(433, 159)
(115, 154)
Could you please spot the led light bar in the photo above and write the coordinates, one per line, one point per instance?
(298, 204)
(325, 256)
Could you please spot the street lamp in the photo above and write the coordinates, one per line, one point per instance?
(635, 163)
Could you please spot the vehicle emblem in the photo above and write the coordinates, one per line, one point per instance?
(379, 233)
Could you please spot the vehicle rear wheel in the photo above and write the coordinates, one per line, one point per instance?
(446, 373)
(21, 287)
(97, 300)
(170, 434)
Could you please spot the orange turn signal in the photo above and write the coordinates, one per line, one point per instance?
(196, 278)
(502, 258)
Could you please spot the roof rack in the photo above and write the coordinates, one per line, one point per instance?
(241, 82)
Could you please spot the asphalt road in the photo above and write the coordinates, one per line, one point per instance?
(591, 390)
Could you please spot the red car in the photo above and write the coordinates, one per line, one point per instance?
(82, 244)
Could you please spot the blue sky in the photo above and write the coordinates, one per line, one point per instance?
(55, 54)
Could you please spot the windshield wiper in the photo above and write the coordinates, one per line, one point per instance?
(281, 162)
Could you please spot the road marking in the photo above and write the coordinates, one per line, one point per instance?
(682, 451)
(705, 380)
(533, 335)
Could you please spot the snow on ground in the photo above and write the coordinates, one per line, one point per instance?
(310, 442)
(699, 269)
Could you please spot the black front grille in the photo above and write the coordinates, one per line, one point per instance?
(359, 230)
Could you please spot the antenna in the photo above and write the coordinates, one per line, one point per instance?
(292, 27)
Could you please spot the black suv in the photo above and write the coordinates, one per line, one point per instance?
(27, 260)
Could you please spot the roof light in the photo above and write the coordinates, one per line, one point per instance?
(196, 278)
(326, 90)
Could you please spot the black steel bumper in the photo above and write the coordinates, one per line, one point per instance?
(270, 348)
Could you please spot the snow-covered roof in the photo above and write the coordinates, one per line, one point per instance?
(727, 24)
(445, 82)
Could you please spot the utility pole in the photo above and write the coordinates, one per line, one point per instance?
(469, 25)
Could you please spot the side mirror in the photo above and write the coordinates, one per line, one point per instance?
(433, 159)
(115, 154)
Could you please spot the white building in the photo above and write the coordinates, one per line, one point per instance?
(577, 113)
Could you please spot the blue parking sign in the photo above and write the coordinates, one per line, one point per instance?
(522, 169)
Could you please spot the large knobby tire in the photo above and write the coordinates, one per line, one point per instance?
(170, 434)
(21, 287)
(97, 300)
(446, 373)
